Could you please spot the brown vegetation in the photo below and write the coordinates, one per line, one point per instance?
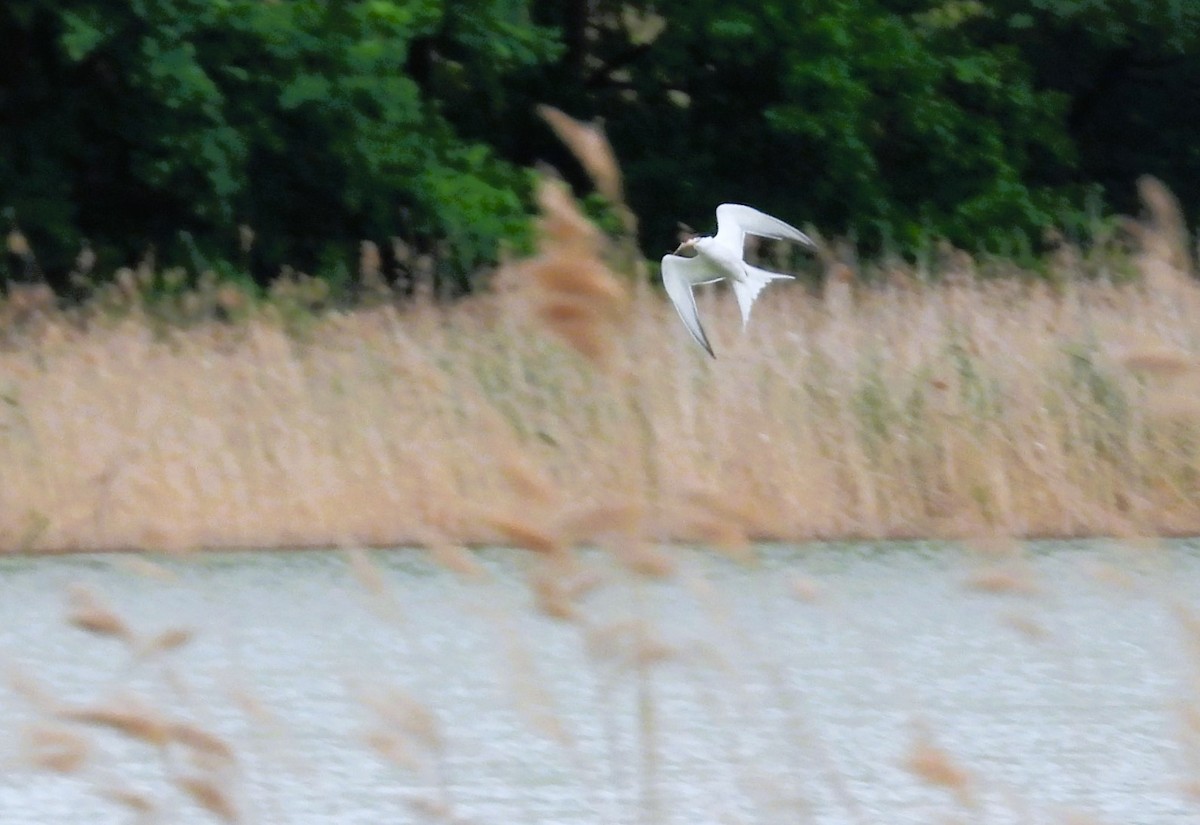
(904, 401)
(994, 406)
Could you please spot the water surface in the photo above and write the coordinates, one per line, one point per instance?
(793, 690)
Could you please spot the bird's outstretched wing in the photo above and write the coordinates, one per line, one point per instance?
(735, 221)
(679, 275)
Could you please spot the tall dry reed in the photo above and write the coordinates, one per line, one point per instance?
(937, 403)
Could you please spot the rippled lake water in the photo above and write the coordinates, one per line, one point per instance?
(804, 688)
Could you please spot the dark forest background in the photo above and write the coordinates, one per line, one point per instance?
(181, 126)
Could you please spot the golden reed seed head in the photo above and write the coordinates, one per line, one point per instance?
(586, 279)
(17, 244)
(934, 766)
(457, 559)
(166, 641)
(392, 748)
(1162, 205)
(526, 534)
(88, 612)
(402, 714)
(560, 313)
(562, 227)
(54, 748)
(366, 572)
(245, 237)
(550, 596)
(581, 334)
(129, 798)
(208, 794)
(128, 716)
(201, 741)
(370, 264)
(230, 298)
(1002, 579)
(1028, 627)
(591, 148)
(643, 558)
(526, 480)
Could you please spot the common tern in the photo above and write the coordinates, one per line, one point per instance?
(722, 257)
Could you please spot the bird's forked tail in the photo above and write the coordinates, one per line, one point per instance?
(747, 289)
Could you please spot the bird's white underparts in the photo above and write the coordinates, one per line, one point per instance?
(721, 257)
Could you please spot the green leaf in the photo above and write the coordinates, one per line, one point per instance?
(305, 88)
(80, 36)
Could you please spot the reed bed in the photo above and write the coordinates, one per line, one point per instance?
(914, 410)
(566, 404)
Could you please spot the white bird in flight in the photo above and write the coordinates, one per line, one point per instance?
(721, 256)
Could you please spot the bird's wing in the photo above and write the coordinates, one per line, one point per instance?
(735, 221)
(679, 274)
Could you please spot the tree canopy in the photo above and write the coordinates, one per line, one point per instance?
(305, 120)
(170, 123)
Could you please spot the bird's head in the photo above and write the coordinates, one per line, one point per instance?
(688, 247)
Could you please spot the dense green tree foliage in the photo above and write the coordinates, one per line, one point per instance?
(305, 120)
(1130, 73)
(169, 123)
(849, 112)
